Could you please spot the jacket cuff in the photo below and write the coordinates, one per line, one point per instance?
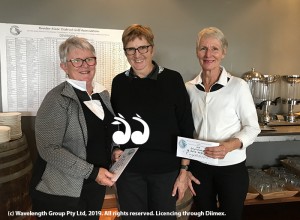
(94, 173)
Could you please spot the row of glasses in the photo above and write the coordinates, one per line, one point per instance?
(265, 183)
(286, 175)
(293, 162)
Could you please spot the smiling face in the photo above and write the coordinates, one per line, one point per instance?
(83, 73)
(210, 53)
(140, 63)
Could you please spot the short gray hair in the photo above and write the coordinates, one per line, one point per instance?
(212, 32)
(72, 43)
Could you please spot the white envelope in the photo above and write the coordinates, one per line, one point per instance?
(193, 149)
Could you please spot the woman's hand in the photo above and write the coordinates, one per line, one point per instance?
(191, 179)
(184, 181)
(104, 177)
(116, 154)
(220, 151)
(181, 184)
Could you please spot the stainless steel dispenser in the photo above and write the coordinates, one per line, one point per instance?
(255, 80)
(270, 95)
(265, 90)
(290, 91)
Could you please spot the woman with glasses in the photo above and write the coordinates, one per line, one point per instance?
(155, 177)
(223, 112)
(73, 136)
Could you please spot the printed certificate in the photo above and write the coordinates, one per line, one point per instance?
(193, 149)
(119, 166)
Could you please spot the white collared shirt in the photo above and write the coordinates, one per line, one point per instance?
(94, 105)
(225, 113)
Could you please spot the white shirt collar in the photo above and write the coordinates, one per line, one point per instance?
(222, 79)
(94, 105)
(81, 85)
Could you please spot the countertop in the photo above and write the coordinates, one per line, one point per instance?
(279, 133)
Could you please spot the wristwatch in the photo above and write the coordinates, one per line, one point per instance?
(184, 167)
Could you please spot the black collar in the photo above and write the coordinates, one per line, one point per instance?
(84, 96)
(152, 75)
(214, 87)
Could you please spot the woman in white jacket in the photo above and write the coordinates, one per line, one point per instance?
(223, 112)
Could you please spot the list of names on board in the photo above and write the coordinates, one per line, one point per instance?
(30, 61)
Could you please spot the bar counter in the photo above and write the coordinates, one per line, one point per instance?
(279, 133)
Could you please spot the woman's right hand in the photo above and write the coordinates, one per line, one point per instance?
(191, 179)
(104, 177)
(116, 154)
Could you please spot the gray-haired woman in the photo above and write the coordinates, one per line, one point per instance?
(73, 136)
(223, 112)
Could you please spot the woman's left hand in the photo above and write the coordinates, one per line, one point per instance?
(220, 151)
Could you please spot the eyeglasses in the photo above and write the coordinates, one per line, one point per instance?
(141, 49)
(77, 62)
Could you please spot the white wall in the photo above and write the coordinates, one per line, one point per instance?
(264, 34)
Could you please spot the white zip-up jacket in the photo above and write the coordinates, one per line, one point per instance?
(226, 113)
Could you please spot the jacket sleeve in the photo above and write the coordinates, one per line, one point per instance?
(59, 136)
